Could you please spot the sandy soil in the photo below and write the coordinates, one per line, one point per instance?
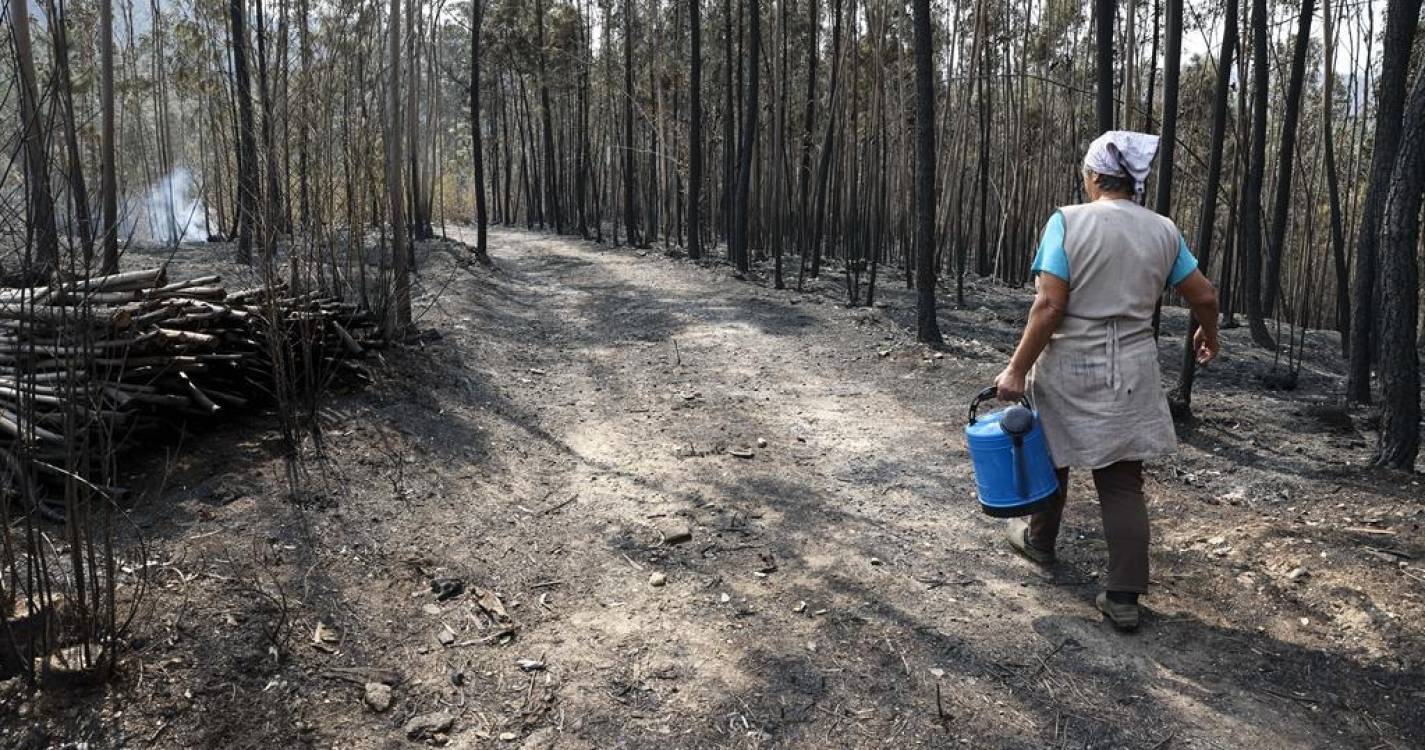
(579, 411)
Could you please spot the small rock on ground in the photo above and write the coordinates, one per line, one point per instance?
(543, 739)
(377, 696)
(426, 726)
(676, 533)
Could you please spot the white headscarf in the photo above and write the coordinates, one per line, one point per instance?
(1123, 153)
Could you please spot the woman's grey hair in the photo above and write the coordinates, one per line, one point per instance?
(1111, 183)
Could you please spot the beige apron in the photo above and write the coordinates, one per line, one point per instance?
(1097, 386)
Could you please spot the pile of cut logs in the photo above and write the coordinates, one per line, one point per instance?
(91, 363)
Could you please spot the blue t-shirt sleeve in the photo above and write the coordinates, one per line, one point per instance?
(1051, 258)
(1183, 266)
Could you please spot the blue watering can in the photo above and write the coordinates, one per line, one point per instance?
(1013, 469)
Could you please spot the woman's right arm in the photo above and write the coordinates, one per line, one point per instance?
(1045, 315)
(1202, 298)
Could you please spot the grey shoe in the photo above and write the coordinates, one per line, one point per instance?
(1017, 533)
(1123, 616)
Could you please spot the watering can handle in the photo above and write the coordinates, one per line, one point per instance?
(989, 393)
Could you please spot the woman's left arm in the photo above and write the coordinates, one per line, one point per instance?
(1050, 304)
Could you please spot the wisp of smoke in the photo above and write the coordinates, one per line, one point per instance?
(169, 213)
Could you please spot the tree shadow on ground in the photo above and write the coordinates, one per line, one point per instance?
(1011, 676)
(1131, 690)
(625, 306)
(1299, 466)
(1097, 688)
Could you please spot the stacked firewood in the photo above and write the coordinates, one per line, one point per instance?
(89, 364)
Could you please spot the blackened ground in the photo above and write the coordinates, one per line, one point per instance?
(579, 405)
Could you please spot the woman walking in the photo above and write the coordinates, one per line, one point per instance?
(1090, 360)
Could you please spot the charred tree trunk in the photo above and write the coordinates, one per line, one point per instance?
(729, 124)
(1281, 208)
(398, 318)
(630, 207)
(79, 192)
(477, 146)
(1400, 293)
(695, 132)
(748, 141)
(927, 328)
(1104, 12)
(581, 172)
(1402, 17)
(248, 190)
(419, 215)
(551, 185)
(1333, 189)
(108, 181)
(1249, 242)
(828, 143)
(40, 220)
(304, 128)
(776, 223)
(1172, 59)
(1181, 400)
(1163, 201)
(808, 123)
(269, 139)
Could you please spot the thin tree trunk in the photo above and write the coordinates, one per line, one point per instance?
(79, 192)
(827, 143)
(1172, 59)
(304, 127)
(283, 97)
(927, 328)
(41, 219)
(630, 207)
(655, 97)
(1104, 11)
(695, 132)
(398, 319)
(1328, 134)
(1128, 55)
(729, 135)
(248, 191)
(529, 179)
(1207, 216)
(419, 225)
(581, 175)
(1231, 262)
(108, 181)
(1163, 201)
(748, 140)
(1281, 208)
(776, 225)
(551, 185)
(808, 123)
(477, 147)
(269, 139)
(1153, 65)
(1249, 242)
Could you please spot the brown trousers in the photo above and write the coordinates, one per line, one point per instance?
(1125, 523)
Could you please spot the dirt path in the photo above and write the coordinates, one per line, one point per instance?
(582, 409)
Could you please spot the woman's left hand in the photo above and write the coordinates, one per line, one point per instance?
(1010, 384)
